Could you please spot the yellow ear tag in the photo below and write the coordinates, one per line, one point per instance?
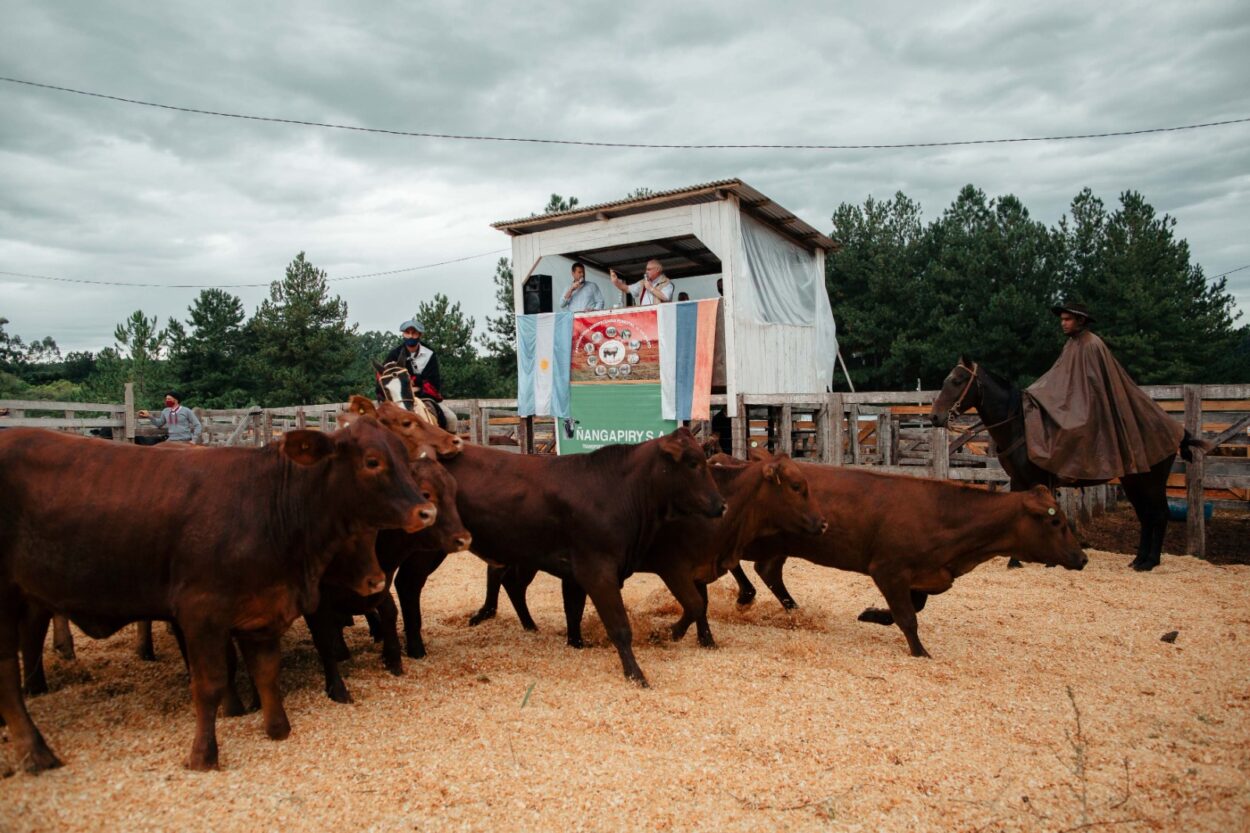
(1050, 511)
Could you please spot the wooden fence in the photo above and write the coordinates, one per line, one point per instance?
(886, 431)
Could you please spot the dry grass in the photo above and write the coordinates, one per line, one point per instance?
(808, 720)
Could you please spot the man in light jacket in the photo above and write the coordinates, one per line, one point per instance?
(181, 424)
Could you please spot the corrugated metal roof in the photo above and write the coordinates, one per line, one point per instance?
(752, 202)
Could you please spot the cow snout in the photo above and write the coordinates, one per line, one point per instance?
(717, 508)
(422, 515)
(1078, 561)
(374, 582)
(824, 527)
(462, 542)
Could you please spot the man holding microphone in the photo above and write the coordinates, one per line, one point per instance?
(581, 296)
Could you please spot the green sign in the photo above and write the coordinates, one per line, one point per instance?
(612, 414)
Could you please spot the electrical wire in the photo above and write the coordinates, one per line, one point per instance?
(247, 285)
(642, 145)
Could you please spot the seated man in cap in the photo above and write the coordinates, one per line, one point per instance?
(181, 424)
(421, 362)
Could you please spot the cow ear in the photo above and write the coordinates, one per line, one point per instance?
(1039, 501)
(772, 471)
(671, 445)
(758, 454)
(305, 446)
(360, 405)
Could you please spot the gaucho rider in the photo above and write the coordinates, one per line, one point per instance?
(422, 366)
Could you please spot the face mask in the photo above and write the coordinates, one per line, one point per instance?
(171, 403)
(412, 342)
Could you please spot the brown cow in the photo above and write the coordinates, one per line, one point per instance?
(588, 517)
(393, 547)
(915, 536)
(422, 439)
(226, 541)
(763, 498)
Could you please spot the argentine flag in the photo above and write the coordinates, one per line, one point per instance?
(543, 362)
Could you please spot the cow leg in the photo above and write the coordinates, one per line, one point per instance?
(604, 589)
(32, 751)
(516, 581)
(703, 628)
(898, 596)
(143, 641)
(490, 606)
(746, 590)
(322, 627)
(231, 703)
(693, 605)
(62, 638)
(33, 632)
(388, 624)
(264, 659)
(206, 645)
(409, 582)
(770, 570)
(375, 625)
(574, 606)
(882, 616)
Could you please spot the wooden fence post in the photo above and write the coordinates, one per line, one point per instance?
(475, 419)
(1195, 521)
(301, 421)
(885, 446)
(786, 438)
(939, 445)
(837, 410)
(130, 411)
(852, 425)
(741, 430)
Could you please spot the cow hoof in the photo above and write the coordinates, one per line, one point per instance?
(529, 626)
(146, 654)
(1014, 564)
(877, 616)
(789, 604)
(576, 643)
(922, 655)
(338, 692)
(481, 616)
(678, 633)
(65, 652)
(279, 729)
(36, 687)
(1145, 566)
(203, 762)
(708, 643)
(41, 759)
(1135, 562)
(416, 651)
(395, 666)
(746, 598)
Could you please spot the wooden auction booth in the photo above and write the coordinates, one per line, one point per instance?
(775, 330)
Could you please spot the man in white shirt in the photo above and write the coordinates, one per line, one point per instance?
(654, 288)
(581, 295)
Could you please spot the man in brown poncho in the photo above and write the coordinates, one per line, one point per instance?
(1085, 419)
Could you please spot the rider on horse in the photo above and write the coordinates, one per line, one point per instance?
(421, 363)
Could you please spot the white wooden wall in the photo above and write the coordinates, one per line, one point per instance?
(760, 358)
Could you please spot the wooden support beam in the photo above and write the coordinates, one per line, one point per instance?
(1195, 522)
(741, 429)
(855, 455)
(885, 448)
(837, 414)
(129, 400)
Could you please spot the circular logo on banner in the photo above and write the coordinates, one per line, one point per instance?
(612, 352)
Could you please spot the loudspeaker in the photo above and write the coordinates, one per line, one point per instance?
(537, 294)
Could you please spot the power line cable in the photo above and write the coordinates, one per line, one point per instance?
(643, 145)
(247, 285)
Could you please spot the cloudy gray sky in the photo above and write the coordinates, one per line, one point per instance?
(100, 190)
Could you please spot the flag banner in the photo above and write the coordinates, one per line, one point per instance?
(634, 373)
(543, 363)
(687, 333)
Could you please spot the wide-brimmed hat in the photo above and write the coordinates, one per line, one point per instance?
(1074, 308)
(412, 324)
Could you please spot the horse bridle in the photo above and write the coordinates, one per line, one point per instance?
(954, 410)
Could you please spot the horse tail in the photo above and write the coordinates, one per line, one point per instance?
(1188, 443)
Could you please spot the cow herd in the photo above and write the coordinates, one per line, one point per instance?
(231, 545)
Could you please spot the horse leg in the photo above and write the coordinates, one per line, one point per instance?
(1137, 499)
(1152, 491)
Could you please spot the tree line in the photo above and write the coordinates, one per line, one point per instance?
(909, 297)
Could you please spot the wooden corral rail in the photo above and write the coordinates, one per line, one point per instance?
(886, 431)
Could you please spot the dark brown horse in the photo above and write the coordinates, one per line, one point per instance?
(1000, 405)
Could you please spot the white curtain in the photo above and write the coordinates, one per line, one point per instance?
(782, 283)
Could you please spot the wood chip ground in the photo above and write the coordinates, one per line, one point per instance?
(800, 721)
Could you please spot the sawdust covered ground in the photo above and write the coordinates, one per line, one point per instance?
(803, 721)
